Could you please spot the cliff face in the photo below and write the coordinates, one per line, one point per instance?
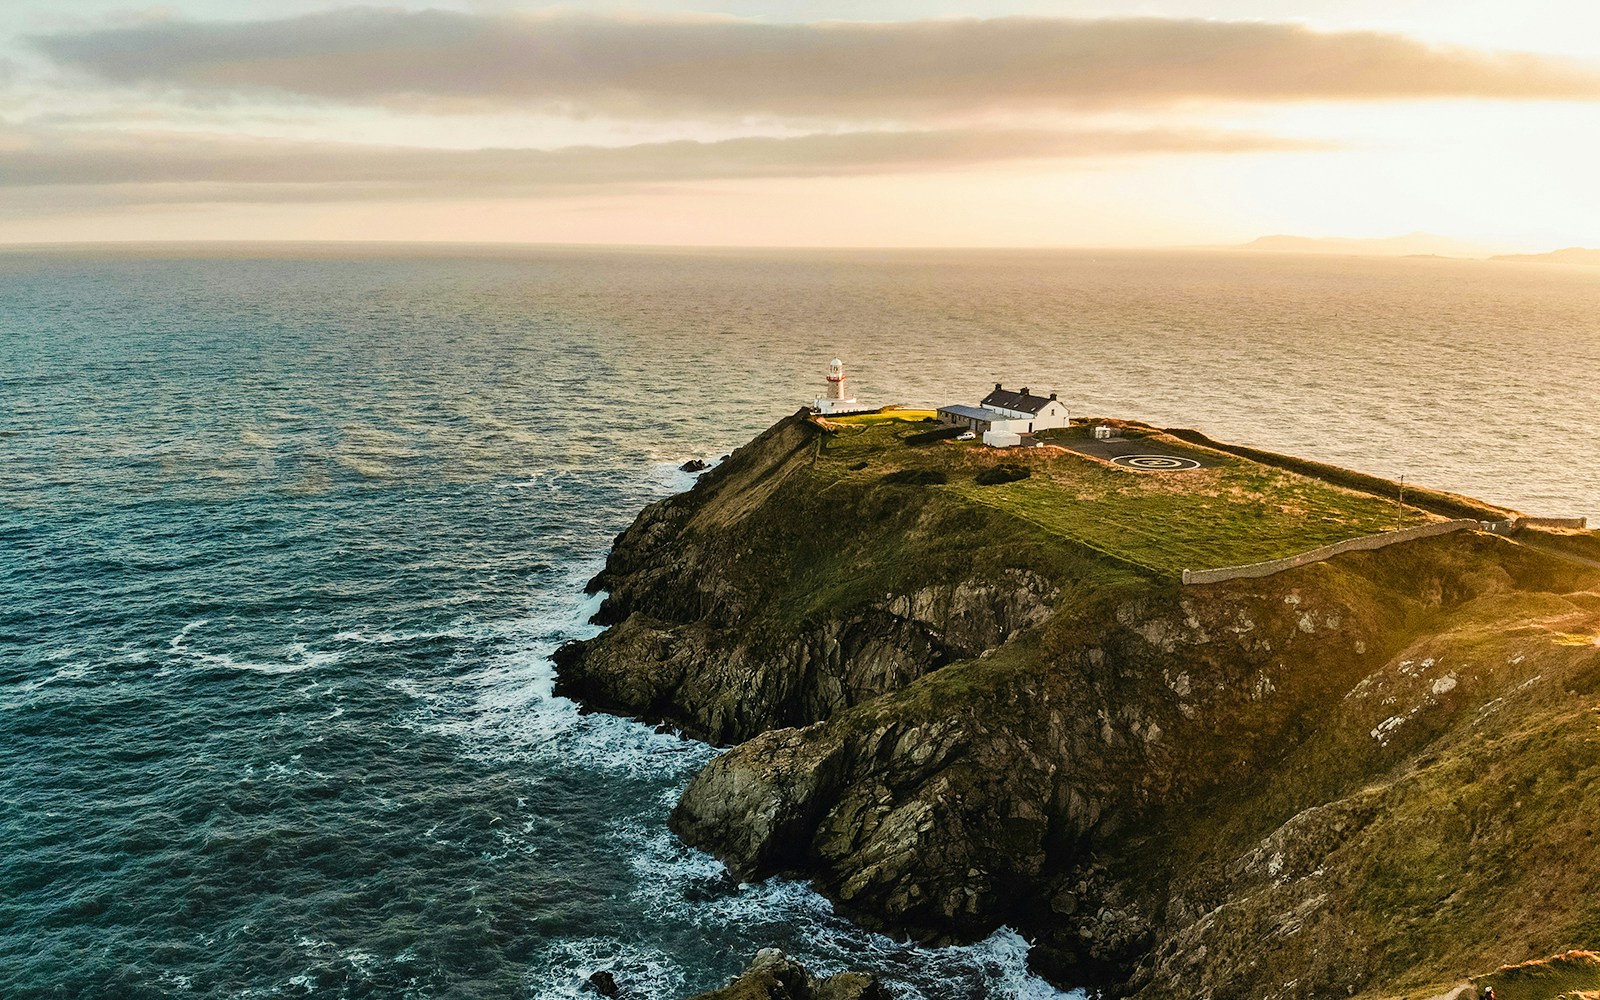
(764, 598)
(1369, 774)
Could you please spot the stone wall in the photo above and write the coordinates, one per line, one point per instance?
(1363, 544)
(1515, 525)
(1553, 522)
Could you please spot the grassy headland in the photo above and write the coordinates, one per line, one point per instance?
(1230, 512)
(962, 705)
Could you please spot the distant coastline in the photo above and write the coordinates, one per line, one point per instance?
(1412, 246)
(1408, 245)
(1570, 255)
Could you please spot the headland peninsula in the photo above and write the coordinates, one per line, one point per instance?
(1222, 724)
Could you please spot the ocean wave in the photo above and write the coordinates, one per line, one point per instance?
(296, 656)
(680, 886)
(503, 706)
(642, 972)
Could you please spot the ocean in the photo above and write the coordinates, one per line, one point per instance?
(287, 534)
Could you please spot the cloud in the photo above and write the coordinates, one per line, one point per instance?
(186, 167)
(655, 67)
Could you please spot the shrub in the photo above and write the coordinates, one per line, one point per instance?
(937, 434)
(997, 474)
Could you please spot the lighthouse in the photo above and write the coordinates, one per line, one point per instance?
(835, 400)
(836, 379)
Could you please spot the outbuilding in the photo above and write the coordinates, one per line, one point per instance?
(1000, 430)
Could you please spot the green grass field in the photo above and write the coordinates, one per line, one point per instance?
(1235, 512)
(884, 417)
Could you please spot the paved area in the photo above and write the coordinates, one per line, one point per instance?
(1141, 454)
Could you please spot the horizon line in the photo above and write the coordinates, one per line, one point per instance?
(15, 246)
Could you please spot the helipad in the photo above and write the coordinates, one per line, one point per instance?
(1155, 463)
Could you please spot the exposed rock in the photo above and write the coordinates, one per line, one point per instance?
(694, 465)
(604, 983)
(773, 976)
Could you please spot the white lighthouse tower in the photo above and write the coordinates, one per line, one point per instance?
(836, 401)
(836, 379)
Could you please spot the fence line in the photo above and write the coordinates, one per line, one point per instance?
(1515, 525)
(1363, 544)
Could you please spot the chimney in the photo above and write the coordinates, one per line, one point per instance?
(997, 387)
(1052, 395)
(1024, 390)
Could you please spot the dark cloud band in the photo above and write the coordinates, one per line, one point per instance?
(149, 166)
(664, 67)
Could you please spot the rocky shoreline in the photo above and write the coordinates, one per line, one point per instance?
(949, 720)
(772, 975)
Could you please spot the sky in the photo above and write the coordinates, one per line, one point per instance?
(823, 123)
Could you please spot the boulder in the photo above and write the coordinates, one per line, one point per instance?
(772, 975)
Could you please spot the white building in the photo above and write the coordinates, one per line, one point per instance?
(1004, 417)
(1039, 412)
(1001, 430)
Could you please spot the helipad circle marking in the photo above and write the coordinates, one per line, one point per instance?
(1155, 463)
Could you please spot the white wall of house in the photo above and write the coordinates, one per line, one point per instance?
(1002, 439)
(1053, 414)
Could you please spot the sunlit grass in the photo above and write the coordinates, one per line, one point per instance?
(885, 416)
(1234, 512)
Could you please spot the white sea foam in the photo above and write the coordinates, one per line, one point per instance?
(505, 706)
(288, 666)
(180, 642)
(562, 973)
(670, 478)
(680, 885)
(472, 631)
(70, 672)
(297, 656)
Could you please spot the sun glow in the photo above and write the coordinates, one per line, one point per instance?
(1200, 122)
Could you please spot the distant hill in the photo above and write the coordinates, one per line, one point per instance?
(1571, 255)
(1409, 245)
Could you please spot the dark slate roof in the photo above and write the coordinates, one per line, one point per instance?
(1008, 400)
(975, 413)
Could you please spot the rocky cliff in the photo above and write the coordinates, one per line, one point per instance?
(1363, 776)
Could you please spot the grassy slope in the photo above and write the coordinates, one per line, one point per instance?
(1236, 512)
(1574, 975)
(1485, 800)
(1583, 545)
(1449, 505)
